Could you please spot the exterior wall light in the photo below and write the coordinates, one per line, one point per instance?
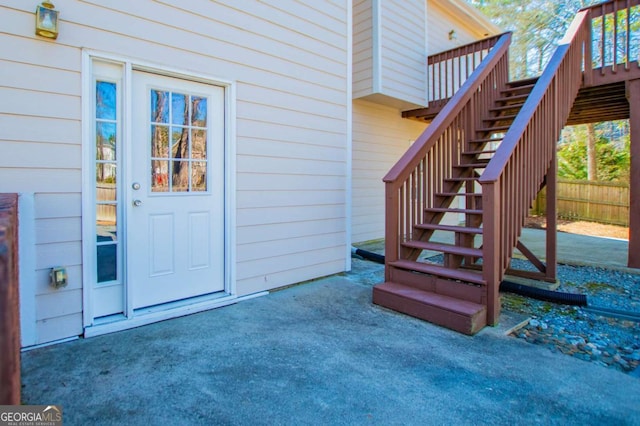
(453, 35)
(47, 20)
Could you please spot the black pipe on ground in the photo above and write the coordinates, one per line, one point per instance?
(542, 294)
(369, 255)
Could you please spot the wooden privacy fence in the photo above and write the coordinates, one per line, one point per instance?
(604, 202)
(9, 303)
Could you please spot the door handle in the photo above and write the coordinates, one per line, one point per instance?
(137, 203)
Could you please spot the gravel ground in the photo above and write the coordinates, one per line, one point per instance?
(607, 340)
(611, 340)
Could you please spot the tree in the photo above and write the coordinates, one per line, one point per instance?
(611, 152)
(537, 27)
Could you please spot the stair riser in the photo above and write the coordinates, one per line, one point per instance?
(434, 284)
(461, 323)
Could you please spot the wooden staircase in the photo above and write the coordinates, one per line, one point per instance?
(485, 156)
(448, 292)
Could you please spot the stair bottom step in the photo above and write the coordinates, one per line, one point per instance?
(459, 315)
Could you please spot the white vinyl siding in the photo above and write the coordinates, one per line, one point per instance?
(389, 52)
(403, 50)
(441, 19)
(41, 149)
(288, 61)
(380, 137)
(362, 48)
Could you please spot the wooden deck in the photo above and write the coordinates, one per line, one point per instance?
(605, 101)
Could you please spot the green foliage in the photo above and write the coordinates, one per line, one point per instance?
(612, 152)
(572, 160)
(537, 27)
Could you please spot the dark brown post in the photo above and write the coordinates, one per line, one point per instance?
(633, 95)
(491, 249)
(391, 228)
(9, 307)
(552, 222)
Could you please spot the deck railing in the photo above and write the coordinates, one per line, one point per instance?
(9, 306)
(615, 34)
(421, 172)
(527, 153)
(447, 71)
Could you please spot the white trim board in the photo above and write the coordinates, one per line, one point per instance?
(131, 319)
(181, 309)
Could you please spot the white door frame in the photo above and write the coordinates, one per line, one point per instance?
(129, 319)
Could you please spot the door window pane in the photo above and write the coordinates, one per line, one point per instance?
(183, 141)
(179, 109)
(107, 257)
(179, 142)
(199, 111)
(180, 176)
(159, 176)
(106, 221)
(159, 141)
(198, 176)
(105, 100)
(198, 144)
(159, 106)
(105, 141)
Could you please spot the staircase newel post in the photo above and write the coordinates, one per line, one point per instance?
(391, 228)
(491, 248)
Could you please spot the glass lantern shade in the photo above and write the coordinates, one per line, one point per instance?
(47, 20)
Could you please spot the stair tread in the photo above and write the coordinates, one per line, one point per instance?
(463, 307)
(471, 165)
(452, 228)
(441, 271)
(458, 194)
(445, 248)
(478, 152)
(462, 179)
(494, 129)
(500, 118)
(513, 98)
(512, 89)
(456, 314)
(506, 107)
(450, 210)
(485, 140)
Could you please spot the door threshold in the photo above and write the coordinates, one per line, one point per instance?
(145, 316)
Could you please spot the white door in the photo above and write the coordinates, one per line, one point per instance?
(175, 190)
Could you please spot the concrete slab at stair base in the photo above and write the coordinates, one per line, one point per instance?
(459, 315)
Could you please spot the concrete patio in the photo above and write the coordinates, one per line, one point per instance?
(321, 353)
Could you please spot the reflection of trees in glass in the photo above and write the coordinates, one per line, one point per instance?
(106, 127)
(179, 140)
(105, 100)
(198, 144)
(160, 134)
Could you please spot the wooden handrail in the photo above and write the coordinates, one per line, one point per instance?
(411, 184)
(513, 177)
(410, 158)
